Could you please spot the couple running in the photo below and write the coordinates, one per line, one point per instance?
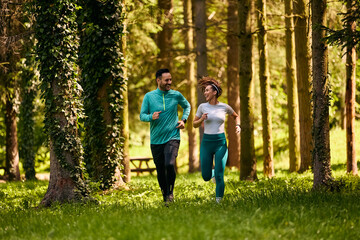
(159, 107)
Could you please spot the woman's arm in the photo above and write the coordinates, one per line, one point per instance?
(197, 121)
(237, 121)
(236, 118)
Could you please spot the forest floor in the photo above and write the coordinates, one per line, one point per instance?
(284, 207)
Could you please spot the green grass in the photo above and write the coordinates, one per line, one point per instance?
(285, 207)
(281, 208)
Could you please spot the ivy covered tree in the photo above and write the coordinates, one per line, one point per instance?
(57, 49)
(102, 62)
(28, 92)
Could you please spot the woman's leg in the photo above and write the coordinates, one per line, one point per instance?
(221, 156)
(206, 159)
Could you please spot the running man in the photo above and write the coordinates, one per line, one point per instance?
(159, 107)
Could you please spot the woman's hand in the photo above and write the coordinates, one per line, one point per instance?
(237, 128)
(204, 116)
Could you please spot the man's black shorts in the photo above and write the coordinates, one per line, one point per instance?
(165, 153)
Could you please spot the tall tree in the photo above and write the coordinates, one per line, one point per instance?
(164, 37)
(303, 74)
(233, 81)
(191, 84)
(11, 32)
(321, 155)
(57, 49)
(201, 49)
(292, 107)
(103, 82)
(265, 90)
(247, 155)
(350, 92)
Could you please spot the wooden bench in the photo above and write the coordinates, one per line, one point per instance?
(139, 168)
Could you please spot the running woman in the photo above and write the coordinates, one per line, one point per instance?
(159, 107)
(212, 114)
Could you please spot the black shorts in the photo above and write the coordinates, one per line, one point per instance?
(165, 154)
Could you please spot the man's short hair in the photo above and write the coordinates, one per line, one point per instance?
(160, 72)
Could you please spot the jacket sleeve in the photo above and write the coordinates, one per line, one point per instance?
(145, 114)
(185, 106)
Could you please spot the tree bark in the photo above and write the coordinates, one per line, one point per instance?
(303, 73)
(126, 170)
(233, 87)
(292, 107)
(164, 37)
(350, 97)
(201, 50)
(321, 155)
(191, 85)
(247, 156)
(265, 90)
(12, 152)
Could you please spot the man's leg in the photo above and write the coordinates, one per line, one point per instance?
(157, 151)
(171, 151)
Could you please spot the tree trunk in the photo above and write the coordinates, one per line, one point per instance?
(164, 38)
(66, 183)
(201, 50)
(11, 27)
(12, 152)
(265, 90)
(191, 85)
(57, 50)
(233, 82)
(126, 170)
(350, 98)
(247, 156)
(321, 155)
(102, 64)
(303, 72)
(292, 107)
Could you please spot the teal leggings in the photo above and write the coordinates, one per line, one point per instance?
(214, 145)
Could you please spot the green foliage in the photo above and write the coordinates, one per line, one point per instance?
(344, 37)
(26, 118)
(102, 62)
(281, 208)
(57, 47)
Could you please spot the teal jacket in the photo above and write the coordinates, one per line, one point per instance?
(164, 128)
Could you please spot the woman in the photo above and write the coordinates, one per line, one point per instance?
(212, 114)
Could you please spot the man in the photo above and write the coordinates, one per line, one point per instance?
(159, 107)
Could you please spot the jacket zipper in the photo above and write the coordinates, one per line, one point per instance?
(164, 102)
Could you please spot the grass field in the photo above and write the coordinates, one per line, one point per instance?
(281, 208)
(285, 207)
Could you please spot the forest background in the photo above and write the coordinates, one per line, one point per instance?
(145, 22)
(64, 110)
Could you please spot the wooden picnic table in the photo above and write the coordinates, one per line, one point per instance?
(137, 162)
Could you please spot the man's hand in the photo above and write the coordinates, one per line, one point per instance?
(181, 124)
(156, 115)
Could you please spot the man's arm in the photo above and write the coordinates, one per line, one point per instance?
(145, 114)
(185, 106)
